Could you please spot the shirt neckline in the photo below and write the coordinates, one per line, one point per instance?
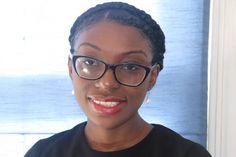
(141, 144)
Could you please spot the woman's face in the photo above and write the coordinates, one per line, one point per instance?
(107, 103)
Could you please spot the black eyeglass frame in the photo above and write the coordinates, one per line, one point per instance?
(113, 68)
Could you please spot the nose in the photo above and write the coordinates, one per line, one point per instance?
(107, 81)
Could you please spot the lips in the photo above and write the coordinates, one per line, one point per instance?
(107, 105)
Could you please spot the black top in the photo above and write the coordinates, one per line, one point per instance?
(160, 142)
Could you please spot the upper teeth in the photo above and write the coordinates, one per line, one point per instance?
(106, 103)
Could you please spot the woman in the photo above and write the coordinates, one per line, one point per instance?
(116, 56)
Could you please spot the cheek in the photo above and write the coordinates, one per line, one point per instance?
(136, 96)
(80, 88)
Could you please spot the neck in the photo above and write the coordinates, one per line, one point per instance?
(117, 138)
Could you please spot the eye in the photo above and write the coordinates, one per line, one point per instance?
(90, 62)
(130, 67)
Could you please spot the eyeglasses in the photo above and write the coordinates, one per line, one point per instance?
(127, 74)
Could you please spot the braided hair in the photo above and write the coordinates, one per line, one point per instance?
(124, 14)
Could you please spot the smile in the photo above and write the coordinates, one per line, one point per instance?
(106, 103)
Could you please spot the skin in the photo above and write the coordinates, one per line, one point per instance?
(113, 43)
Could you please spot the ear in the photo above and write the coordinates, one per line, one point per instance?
(70, 67)
(153, 77)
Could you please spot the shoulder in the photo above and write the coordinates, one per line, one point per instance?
(173, 144)
(56, 143)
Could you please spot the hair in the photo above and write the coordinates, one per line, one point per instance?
(124, 14)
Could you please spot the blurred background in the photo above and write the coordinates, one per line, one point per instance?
(35, 89)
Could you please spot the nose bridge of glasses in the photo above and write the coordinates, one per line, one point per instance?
(111, 68)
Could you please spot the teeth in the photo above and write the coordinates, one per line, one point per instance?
(107, 103)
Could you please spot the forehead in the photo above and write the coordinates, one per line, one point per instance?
(113, 36)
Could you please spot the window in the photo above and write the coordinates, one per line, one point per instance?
(35, 94)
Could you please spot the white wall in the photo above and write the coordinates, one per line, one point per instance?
(222, 79)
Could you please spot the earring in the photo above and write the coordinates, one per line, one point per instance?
(147, 99)
(72, 92)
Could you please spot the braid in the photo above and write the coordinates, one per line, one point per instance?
(125, 14)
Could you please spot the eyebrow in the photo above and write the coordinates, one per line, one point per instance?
(135, 52)
(125, 53)
(90, 45)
